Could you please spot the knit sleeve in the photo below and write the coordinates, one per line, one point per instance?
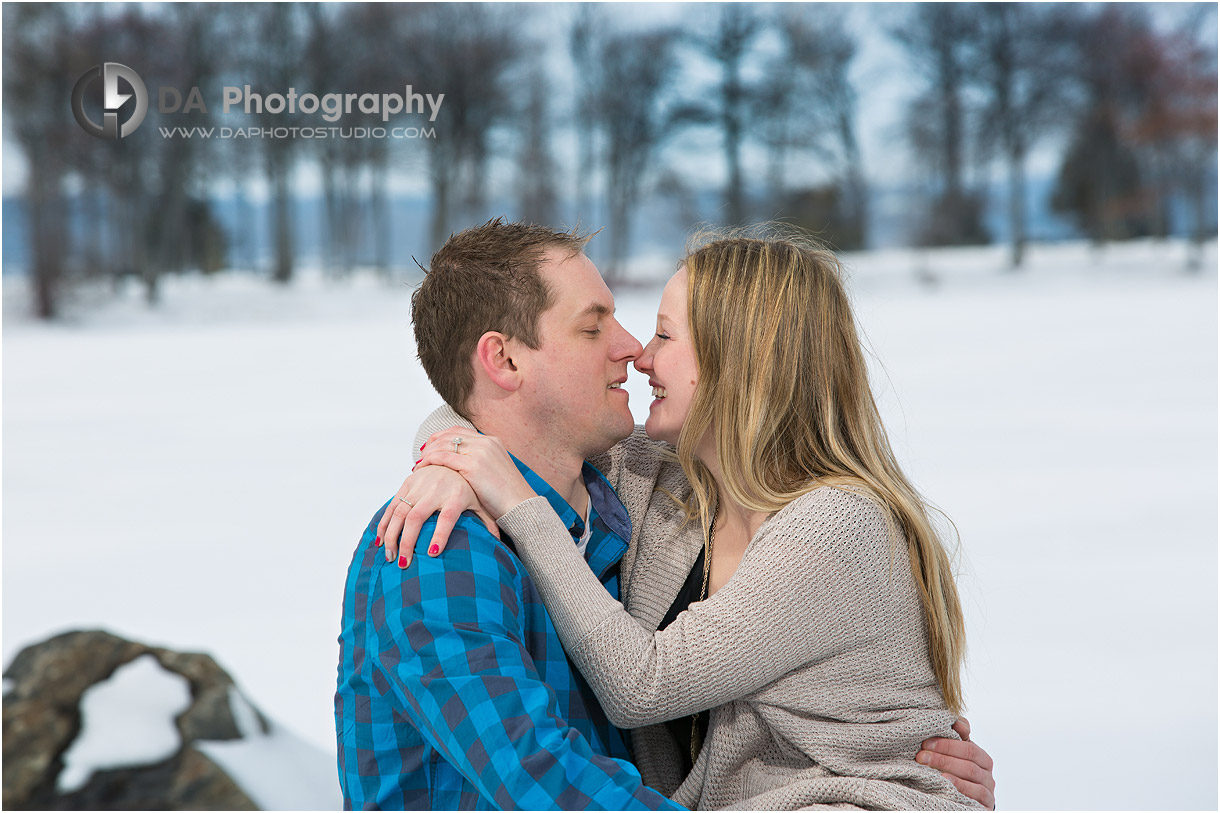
(817, 580)
(634, 451)
(438, 419)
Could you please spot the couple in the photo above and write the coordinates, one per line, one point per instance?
(788, 634)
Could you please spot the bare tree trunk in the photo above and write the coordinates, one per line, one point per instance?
(243, 240)
(282, 220)
(1016, 205)
(46, 233)
(536, 162)
(726, 46)
(584, 198)
(734, 193)
(349, 216)
(174, 250)
(137, 244)
(474, 199)
(1161, 189)
(150, 277)
(94, 254)
(169, 218)
(737, 27)
(950, 89)
(777, 165)
(442, 181)
(619, 237)
(152, 286)
(581, 45)
(853, 178)
(380, 215)
(330, 236)
(1194, 260)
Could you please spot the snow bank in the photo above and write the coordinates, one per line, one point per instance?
(277, 770)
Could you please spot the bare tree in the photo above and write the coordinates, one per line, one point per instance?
(1197, 121)
(325, 70)
(634, 125)
(728, 46)
(191, 33)
(1113, 175)
(536, 162)
(937, 37)
(1022, 54)
(131, 167)
(137, 187)
(236, 160)
(37, 42)
(583, 47)
(35, 69)
(806, 107)
(390, 58)
(469, 52)
(1176, 128)
(1099, 183)
(273, 59)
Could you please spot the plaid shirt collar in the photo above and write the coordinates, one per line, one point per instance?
(606, 514)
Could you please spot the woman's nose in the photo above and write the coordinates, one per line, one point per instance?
(644, 362)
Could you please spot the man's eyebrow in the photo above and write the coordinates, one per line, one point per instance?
(595, 308)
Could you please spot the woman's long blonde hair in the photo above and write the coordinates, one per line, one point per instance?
(783, 387)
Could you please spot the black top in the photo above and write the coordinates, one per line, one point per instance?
(684, 728)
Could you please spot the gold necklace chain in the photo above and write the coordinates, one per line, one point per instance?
(707, 561)
(696, 740)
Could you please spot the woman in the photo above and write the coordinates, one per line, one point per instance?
(803, 661)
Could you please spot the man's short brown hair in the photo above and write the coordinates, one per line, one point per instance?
(483, 279)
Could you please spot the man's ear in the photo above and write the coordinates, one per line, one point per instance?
(494, 355)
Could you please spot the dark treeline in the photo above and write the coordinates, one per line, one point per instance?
(574, 110)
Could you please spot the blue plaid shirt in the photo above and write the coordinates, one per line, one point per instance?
(454, 691)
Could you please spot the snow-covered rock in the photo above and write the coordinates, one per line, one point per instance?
(127, 719)
(94, 721)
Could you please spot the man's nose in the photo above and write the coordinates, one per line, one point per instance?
(627, 348)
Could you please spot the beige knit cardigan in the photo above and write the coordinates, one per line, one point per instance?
(813, 657)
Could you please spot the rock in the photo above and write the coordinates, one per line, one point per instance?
(42, 718)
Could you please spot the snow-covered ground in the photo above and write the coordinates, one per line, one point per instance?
(195, 477)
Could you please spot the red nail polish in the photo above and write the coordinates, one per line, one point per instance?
(421, 448)
(435, 549)
(402, 561)
(377, 542)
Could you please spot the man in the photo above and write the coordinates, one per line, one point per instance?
(453, 689)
